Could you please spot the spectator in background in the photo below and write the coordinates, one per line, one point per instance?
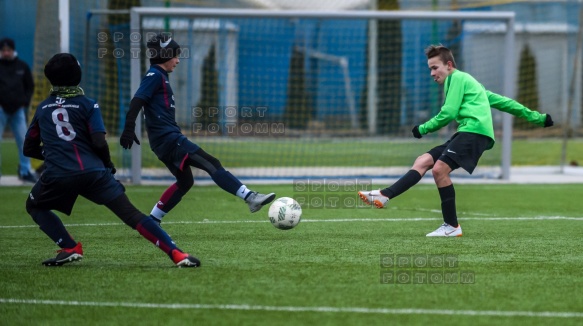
(16, 88)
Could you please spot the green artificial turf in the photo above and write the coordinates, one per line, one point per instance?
(521, 246)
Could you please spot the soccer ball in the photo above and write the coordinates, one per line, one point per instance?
(285, 213)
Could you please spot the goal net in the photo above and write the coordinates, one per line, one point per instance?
(278, 95)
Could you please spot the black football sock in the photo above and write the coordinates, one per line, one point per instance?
(407, 181)
(448, 210)
(52, 226)
(150, 230)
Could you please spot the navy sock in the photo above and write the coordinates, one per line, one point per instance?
(52, 226)
(407, 181)
(448, 209)
(226, 181)
(150, 230)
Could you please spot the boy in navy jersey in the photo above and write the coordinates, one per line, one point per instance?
(167, 141)
(67, 132)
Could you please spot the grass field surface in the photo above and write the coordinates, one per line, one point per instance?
(341, 152)
(520, 259)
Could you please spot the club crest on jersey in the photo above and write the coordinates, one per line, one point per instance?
(60, 100)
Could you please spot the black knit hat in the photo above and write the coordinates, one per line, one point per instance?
(63, 69)
(7, 42)
(162, 48)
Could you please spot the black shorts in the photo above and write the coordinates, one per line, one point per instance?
(463, 149)
(175, 160)
(60, 192)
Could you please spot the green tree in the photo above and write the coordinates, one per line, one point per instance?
(210, 90)
(110, 99)
(527, 86)
(389, 48)
(297, 112)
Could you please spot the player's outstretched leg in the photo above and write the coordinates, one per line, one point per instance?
(374, 197)
(256, 200)
(150, 230)
(231, 184)
(227, 181)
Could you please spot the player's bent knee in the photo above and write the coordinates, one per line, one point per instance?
(33, 211)
(184, 184)
(441, 169)
(423, 162)
(30, 206)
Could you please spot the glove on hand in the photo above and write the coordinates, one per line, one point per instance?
(549, 121)
(127, 139)
(416, 132)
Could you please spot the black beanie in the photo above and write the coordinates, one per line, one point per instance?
(162, 48)
(7, 42)
(63, 69)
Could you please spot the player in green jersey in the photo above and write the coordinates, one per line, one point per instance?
(469, 104)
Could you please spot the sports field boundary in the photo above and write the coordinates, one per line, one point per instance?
(246, 307)
(338, 220)
(250, 176)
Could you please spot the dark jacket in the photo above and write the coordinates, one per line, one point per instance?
(16, 85)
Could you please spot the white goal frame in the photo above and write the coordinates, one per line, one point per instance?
(510, 65)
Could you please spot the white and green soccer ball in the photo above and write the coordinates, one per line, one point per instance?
(285, 213)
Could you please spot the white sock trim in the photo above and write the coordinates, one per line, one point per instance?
(157, 213)
(242, 192)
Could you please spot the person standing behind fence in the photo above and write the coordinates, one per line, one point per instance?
(16, 89)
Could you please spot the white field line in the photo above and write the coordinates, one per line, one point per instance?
(339, 220)
(384, 311)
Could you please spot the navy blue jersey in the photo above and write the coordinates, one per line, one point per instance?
(160, 113)
(64, 126)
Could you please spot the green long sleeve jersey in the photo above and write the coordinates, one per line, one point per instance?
(465, 102)
(508, 105)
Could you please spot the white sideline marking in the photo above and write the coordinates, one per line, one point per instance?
(385, 311)
(397, 219)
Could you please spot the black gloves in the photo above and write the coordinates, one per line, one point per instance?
(549, 121)
(111, 167)
(416, 132)
(127, 139)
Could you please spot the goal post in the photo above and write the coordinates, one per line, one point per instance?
(329, 94)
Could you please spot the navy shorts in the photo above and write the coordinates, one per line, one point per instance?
(176, 159)
(463, 149)
(60, 192)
